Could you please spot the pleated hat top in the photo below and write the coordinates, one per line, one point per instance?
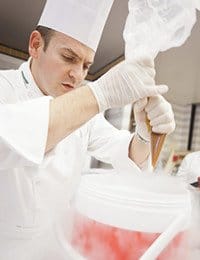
(82, 20)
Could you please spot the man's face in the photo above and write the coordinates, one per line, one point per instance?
(62, 66)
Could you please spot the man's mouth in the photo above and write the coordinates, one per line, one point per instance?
(67, 86)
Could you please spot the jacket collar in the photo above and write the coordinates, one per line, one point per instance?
(28, 79)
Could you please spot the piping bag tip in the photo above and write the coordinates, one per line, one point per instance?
(157, 141)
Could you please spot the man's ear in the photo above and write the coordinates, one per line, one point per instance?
(35, 44)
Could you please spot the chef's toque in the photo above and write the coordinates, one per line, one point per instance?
(82, 20)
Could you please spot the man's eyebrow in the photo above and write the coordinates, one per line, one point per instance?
(75, 54)
(72, 52)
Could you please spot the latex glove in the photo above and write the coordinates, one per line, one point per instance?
(158, 111)
(126, 83)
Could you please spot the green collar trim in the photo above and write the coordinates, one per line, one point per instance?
(24, 78)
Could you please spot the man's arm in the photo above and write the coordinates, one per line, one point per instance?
(83, 106)
(68, 112)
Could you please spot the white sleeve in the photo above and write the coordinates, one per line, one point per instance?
(184, 169)
(111, 145)
(23, 132)
(189, 168)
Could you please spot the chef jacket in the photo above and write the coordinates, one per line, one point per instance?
(36, 187)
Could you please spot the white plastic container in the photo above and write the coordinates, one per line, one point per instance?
(124, 218)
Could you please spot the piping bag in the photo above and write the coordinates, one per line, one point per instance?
(157, 142)
(153, 26)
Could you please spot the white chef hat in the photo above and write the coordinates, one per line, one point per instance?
(82, 20)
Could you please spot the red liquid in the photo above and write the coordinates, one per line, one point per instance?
(97, 241)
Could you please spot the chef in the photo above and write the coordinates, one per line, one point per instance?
(50, 121)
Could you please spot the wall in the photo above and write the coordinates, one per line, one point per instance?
(8, 62)
(196, 134)
(181, 134)
(179, 68)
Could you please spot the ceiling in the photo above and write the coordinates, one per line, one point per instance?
(179, 67)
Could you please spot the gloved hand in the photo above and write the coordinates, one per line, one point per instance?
(126, 83)
(158, 111)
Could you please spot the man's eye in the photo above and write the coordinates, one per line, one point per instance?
(68, 58)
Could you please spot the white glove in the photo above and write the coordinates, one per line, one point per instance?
(158, 111)
(126, 83)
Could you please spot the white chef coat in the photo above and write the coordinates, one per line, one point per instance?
(36, 187)
(189, 169)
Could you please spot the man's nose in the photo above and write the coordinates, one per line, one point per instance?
(76, 74)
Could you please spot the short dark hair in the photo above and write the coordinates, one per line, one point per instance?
(46, 34)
